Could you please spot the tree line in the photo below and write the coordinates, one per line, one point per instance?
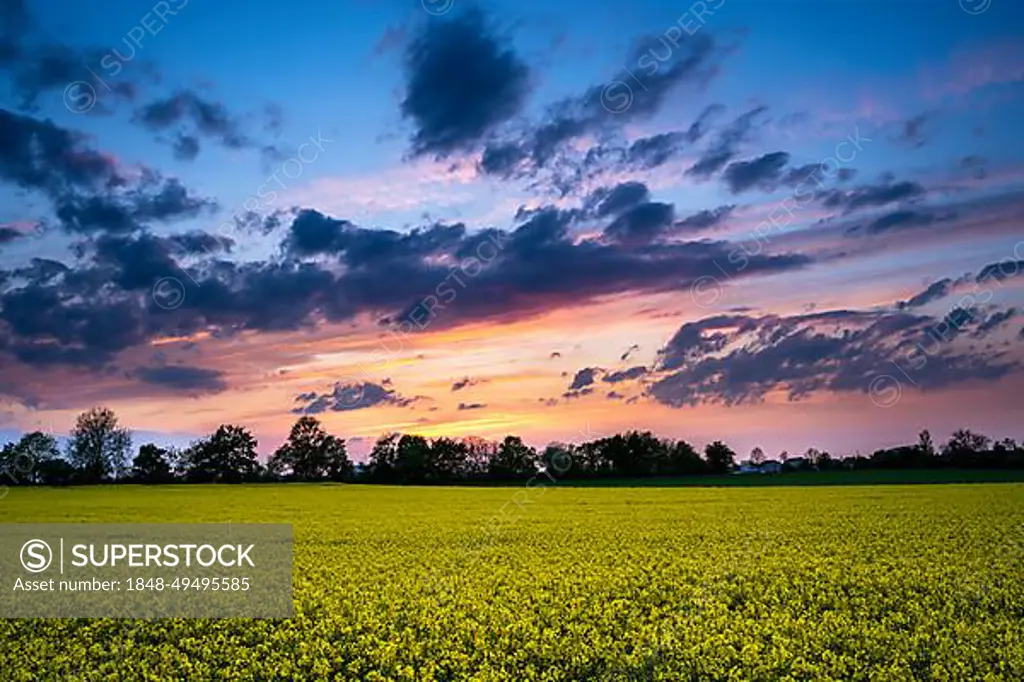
(99, 447)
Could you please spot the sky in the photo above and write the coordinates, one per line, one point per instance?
(780, 224)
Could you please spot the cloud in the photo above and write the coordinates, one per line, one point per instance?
(705, 220)
(903, 220)
(1001, 270)
(467, 382)
(761, 173)
(154, 200)
(584, 377)
(872, 196)
(471, 406)
(629, 351)
(192, 116)
(726, 145)
(88, 191)
(40, 66)
(912, 133)
(106, 303)
(642, 223)
(935, 291)
(350, 396)
(547, 144)
(462, 81)
(9, 234)
(630, 374)
(737, 360)
(995, 321)
(615, 200)
(182, 378)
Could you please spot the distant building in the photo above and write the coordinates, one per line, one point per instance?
(747, 468)
(771, 466)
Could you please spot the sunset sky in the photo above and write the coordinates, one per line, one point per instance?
(781, 224)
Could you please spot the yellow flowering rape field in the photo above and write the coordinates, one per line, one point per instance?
(891, 582)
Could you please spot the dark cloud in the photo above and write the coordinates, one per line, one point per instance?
(629, 351)
(872, 196)
(995, 321)
(462, 81)
(38, 65)
(761, 173)
(471, 406)
(976, 165)
(154, 200)
(903, 220)
(196, 243)
(544, 145)
(186, 147)
(705, 220)
(630, 374)
(935, 291)
(9, 234)
(312, 233)
(731, 361)
(38, 155)
(651, 152)
(467, 382)
(642, 223)
(182, 378)
(192, 116)
(613, 201)
(1001, 270)
(350, 396)
(912, 132)
(727, 144)
(88, 191)
(105, 303)
(584, 377)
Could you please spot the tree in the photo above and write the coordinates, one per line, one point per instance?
(151, 465)
(228, 456)
(99, 447)
(559, 460)
(513, 459)
(312, 454)
(450, 457)
(381, 467)
(633, 454)
(721, 459)
(966, 448)
(757, 456)
(414, 461)
(683, 459)
(20, 462)
(925, 444)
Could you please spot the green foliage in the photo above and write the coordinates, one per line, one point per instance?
(830, 583)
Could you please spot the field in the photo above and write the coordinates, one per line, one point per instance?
(886, 582)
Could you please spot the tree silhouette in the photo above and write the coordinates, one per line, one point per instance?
(151, 465)
(99, 447)
(720, 457)
(312, 454)
(513, 459)
(228, 456)
(21, 462)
